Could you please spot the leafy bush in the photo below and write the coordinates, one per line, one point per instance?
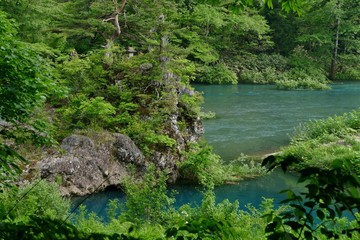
(222, 220)
(267, 75)
(336, 125)
(202, 165)
(24, 75)
(297, 78)
(190, 105)
(304, 72)
(262, 68)
(306, 83)
(83, 112)
(147, 200)
(315, 213)
(245, 167)
(348, 68)
(319, 143)
(207, 115)
(218, 74)
(41, 199)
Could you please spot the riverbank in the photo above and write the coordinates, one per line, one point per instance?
(327, 142)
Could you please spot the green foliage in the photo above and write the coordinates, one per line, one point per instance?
(191, 104)
(10, 162)
(147, 134)
(219, 221)
(304, 73)
(245, 167)
(44, 228)
(297, 79)
(23, 75)
(136, 96)
(326, 154)
(207, 115)
(337, 125)
(262, 69)
(208, 221)
(321, 142)
(203, 52)
(147, 201)
(35, 20)
(202, 166)
(268, 75)
(41, 199)
(82, 112)
(218, 74)
(314, 213)
(24, 86)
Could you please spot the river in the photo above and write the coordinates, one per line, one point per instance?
(252, 119)
(258, 119)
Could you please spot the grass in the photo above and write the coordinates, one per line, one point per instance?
(320, 143)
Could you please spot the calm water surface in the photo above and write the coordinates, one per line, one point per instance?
(257, 119)
(246, 192)
(252, 119)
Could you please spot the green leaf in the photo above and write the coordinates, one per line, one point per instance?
(294, 225)
(271, 227)
(320, 214)
(313, 190)
(309, 204)
(308, 235)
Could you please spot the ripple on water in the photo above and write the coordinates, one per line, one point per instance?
(251, 119)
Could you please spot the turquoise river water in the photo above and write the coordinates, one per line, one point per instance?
(252, 119)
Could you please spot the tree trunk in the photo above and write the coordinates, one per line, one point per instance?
(333, 67)
(115, 19)
(108, 56)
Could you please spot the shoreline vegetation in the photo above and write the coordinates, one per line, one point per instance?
(126, 67)
(149, 214)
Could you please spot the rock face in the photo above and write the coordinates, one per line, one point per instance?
(89, 165)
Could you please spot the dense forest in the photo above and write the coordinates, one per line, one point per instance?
(100, 73)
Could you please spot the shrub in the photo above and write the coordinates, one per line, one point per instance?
(320, 143)
(245, 167)
(315, 213)
(202, 165)
(261, 69)
(218, 74)
(147, 200)
(265, 76)
(41, 199)
(297, 78)
(336, 125)
(82, 112)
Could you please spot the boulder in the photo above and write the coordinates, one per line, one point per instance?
(85, 165)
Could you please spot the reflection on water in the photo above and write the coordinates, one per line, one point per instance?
(257, 119)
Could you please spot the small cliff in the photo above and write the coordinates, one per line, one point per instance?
(89, 164)
(86, 165)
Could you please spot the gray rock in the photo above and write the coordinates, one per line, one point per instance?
(146, 67)
(87, 166)
(126, 151)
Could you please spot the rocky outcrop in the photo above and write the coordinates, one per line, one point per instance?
(90, 164)
(87, 165)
